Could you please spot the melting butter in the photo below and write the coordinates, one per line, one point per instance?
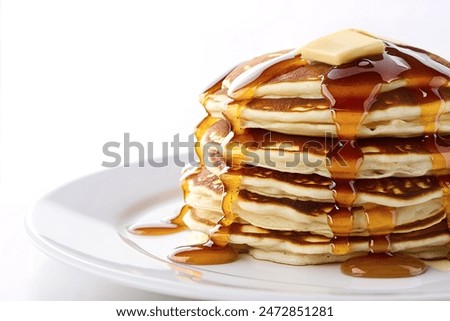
(342, 47)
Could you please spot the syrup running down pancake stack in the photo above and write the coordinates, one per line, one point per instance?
(336, 151)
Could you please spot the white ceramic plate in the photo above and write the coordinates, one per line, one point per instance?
(84, 224)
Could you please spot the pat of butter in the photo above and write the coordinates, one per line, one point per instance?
(342, 47)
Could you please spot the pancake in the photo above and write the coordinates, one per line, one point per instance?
(395, 114)
(305, 248)
(396, 157)
(287, 214)
(294, 100)
(391, 191)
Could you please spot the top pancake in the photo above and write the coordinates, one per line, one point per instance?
(412, 101)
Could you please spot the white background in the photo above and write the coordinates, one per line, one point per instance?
(77, 74)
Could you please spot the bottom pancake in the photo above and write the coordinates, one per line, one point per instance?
(300, 248)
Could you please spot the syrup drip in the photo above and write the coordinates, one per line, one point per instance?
(381, 220)
(340, 246)
(231, 183)
(340, 220)
(204, 254)
(236, 154)
(233, 116)
(172, 226)
(344, 160)
(201, 130)
(380, 244)
(383, 265)
(349, 106)
(221, 235)
(344, 192)
(184, 188)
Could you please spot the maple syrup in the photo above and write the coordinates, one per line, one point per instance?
(340, 220)
(171, 226)
(231, 184)
(383, 265)
(204, 254)
(381, 220)
(340, 245)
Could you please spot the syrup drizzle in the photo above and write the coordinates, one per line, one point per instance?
(340, 246)
(231, 184)
(167, 227)
(340, 220)
(201, 130)
(204, 254)
(381, 220)
(380, 244)
(350, 104)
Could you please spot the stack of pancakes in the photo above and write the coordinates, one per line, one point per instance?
(310, 163)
